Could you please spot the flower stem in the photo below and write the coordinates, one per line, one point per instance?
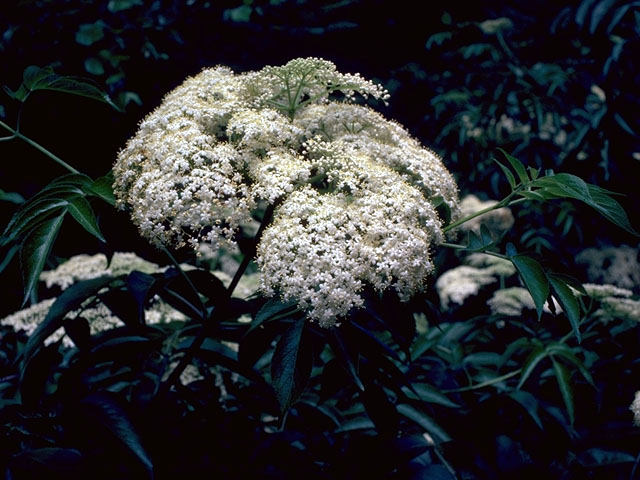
(219, 311)
(37, 146)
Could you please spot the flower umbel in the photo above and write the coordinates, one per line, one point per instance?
(354, 191)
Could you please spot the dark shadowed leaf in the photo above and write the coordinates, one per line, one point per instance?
(564, 383)
(35, 250)
(534, 279)
(568, 302)
(50, 462)
(69, 300)
(105, 412)
(291, 365)
(532, 361)
(425, 421)
(141, 287)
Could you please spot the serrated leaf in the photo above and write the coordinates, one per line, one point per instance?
(564, 185)
(507, 173)
(568, 302)
(82, 212)
(565, 352)
(517, 165)
(563, 377)
(290, 365)
(104, 414)
(425, 421)
(102, 187)
(36, 78)
(274, 309)
(534, 279)
(610, 208)
(30, 216)
(35, 250)
(69, 300)
(532, 361)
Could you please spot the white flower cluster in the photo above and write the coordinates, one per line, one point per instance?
(635, 409)
(98, 316)
(354, 192)
(512, 301)
(619, 266)
(85, 267)
(497, 221)
(455, 286)
(615, 302)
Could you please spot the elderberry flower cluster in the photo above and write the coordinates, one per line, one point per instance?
(355, 195)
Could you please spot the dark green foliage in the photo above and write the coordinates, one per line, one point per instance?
(398, 390)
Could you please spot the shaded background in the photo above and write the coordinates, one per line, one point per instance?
(555, 84)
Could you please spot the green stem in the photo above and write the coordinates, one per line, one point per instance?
(488, 383)
(218, 312)
(463, 247)
(37, 146)
(201, 305)
(502, 203)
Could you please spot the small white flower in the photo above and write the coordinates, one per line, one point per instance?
(354, 190)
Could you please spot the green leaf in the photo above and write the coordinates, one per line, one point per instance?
(564, 185)
(90, 33)
(274, 309)
(71, 299)
(534, 278)
(102, 187)
(35, 250)
(532, 195)
(430, 394)
(11, 197)
(518, 167)
(507, 173)
(29, 216)
(425, 421)
(118, 5)
(93, 66)
(610, 208)
(563, 377)
(82, 212)
(530, 405)
(532, 361)
(290, 365)
(562, 350)
(568, 302)
(36, 78)
(598, 457)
